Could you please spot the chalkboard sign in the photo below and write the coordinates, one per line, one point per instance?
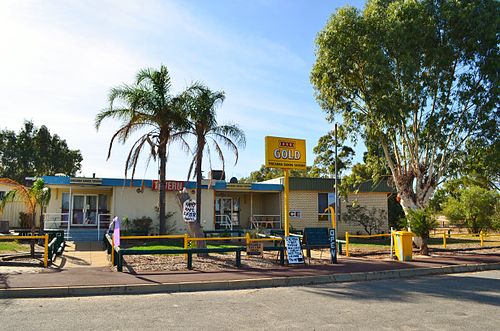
(316, 238)
(294, 250)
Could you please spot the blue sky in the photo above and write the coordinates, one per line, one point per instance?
(60, 58)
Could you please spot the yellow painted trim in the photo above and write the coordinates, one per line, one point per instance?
(154, 237)
(265, 239)
(21, 237)
(370, 235)
(215, 238)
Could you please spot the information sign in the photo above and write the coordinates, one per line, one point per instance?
(294, 250)
(255, 248)
(189, 211)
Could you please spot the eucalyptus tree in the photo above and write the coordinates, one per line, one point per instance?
(148, 105)
(32, 197)
(201, 104)
(420, 78)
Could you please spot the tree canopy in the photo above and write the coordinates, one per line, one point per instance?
(146, 104)
(419, 78)
(35, 152)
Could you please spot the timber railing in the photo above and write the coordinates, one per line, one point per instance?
(481, 236)
(46, 244)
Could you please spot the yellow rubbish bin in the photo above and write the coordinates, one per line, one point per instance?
(403, 245)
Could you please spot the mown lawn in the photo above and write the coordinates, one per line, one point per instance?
(13, 246)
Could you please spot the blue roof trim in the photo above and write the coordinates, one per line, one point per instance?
(266, 187)
(216, 185)
(126, 182)
(56, 180)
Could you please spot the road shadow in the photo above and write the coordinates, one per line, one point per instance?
(461, 288)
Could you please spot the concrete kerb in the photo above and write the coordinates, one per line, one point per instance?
(75, 291)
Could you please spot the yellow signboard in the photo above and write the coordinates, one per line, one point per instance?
(285, 153)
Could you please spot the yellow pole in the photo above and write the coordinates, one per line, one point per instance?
(46, 251)
(333, 216)
(112, 250)
(287, 221)
(347, 243)
(481, 237)
(247, 237)
(444, 239)
(185, 244)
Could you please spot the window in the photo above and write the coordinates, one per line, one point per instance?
(325, 200)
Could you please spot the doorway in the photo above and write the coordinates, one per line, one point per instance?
(84, 210)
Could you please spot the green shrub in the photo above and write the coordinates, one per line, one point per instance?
(422, 222)
(142, 224)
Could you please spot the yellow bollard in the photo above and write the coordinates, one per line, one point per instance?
(247, 238)
(46, 251)
(347, 243)
(112, 250)
(444, 239)
(185, 244)
(481, 237)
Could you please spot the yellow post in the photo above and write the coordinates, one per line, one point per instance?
(481, 237)
(247, 238)
(287, 224)
(112, 250)
(444, 239)
(46, 251)
(333, 216)
(185, 244)
(347, 243)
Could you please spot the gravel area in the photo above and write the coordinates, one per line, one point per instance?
(214, 262)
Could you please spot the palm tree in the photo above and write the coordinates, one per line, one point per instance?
(37, 194)
(201, 104)
(146, 104)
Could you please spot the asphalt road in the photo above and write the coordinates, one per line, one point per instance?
(452, 302)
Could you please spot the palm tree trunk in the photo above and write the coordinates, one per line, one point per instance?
(196, 227)
(424, 248)
(163, 173)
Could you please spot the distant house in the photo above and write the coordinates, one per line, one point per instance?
(86, 205)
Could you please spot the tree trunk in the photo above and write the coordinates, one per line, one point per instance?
(196, 227)
(162, 151)
(424, 248)
(414, 199)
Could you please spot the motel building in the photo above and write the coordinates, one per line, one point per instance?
(83, 207)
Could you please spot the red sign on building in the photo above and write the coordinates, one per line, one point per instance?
(170, 185)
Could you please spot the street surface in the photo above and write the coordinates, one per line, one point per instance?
(468, 301)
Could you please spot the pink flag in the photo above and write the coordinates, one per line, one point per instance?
(116, 231)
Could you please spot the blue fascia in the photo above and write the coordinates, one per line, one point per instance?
(216, 185)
